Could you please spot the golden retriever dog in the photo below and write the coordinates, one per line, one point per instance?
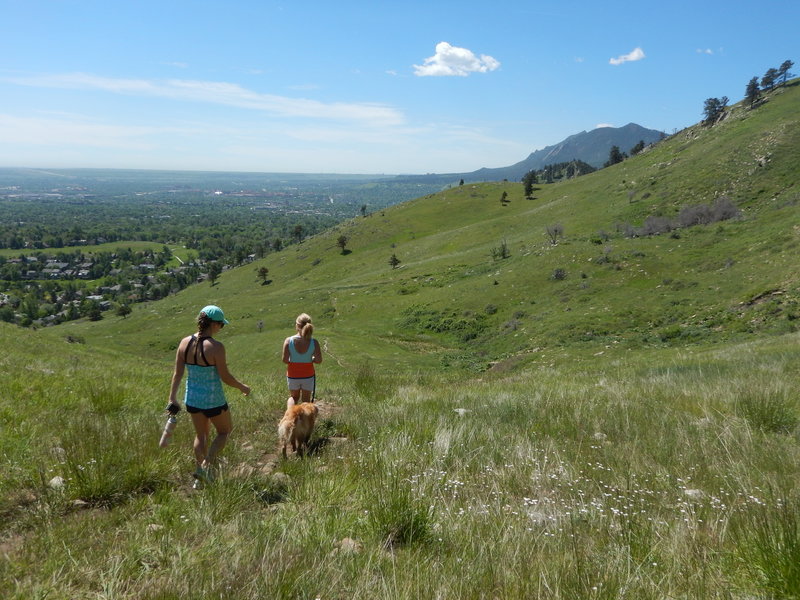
(296, 426)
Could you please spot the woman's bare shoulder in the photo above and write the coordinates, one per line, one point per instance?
(213, 349)
(185, 341)
(213, 343)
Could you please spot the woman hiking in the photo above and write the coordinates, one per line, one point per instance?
(204, 359)
(300, 353)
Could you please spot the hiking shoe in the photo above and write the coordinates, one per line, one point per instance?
(201, 478)
(203, 475)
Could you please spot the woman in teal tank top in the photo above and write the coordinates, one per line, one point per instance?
(203, 358)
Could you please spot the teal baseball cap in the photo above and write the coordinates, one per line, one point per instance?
(214, 313)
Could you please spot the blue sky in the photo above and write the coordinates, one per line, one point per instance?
(362, 87)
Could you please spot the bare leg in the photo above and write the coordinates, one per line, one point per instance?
(306, 395)
(201, 428)
(224, 425)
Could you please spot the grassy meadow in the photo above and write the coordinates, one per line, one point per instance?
(626, 429)
(667, 473)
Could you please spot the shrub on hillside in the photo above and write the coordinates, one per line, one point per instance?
(464, 327)
(724, 209)
(697, 214)
(501, 251)
(554, 231)
(703, 214)
(655, 225)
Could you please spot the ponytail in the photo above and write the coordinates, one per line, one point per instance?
(304, 326)
(203, 322)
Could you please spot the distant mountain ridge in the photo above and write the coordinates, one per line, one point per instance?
(589, 146)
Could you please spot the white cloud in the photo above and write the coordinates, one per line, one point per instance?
(705, 51)
(600, 125)
(218, 92)
(633, 55)
(454, 61)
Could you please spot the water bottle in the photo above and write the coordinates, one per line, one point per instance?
(168, 429)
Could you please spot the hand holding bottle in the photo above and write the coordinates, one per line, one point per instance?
(169, 427)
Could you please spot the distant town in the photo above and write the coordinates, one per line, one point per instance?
(44, 289)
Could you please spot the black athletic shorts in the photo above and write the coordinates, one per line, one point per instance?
(208, 412)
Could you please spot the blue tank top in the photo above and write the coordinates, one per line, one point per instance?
(203, 387)
(203, 384)
(305, 357)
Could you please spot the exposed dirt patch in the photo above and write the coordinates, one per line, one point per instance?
(11, 546)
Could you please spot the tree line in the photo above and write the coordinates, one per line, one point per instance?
(714, 108)
(615, 155)
(555, 172)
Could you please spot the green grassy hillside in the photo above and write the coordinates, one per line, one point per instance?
(636, 436)
(450, 303)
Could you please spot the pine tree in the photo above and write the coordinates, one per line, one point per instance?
(753, 92)
(214, 271)
(783, 71)
(527, 181)
(263, 275)
(769, 79)
(615, 155)
(714, 108)
(637, 148)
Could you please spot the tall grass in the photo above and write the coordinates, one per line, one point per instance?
(768, 539)
(622, 477)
